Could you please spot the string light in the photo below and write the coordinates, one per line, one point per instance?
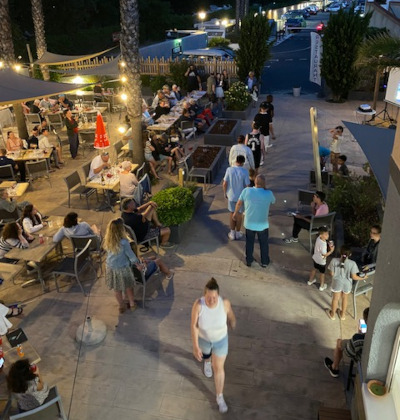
(122, 129)
(124, 96)
(78, 80)
(124, 79)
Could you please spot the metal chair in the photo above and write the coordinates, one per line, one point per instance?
(90, 115)
(132, 234)
(362, 287)
(32, 120)
(7, 173)
(55, 121)
(38, 169)
(304, 198)
(86, 140)
(188, 129)
(119, 153)
(79, 243)
(192, 172)
(326, 178)
(6, 216)
(74, 266)
(50, 409)
(86, 169)
(140, 171)
(318, 221)
(74, 186)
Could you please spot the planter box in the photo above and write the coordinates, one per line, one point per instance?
(178, 231)
(238, 115)
(222, 139)
(215, 165)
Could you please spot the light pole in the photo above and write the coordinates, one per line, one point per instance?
(202, 16)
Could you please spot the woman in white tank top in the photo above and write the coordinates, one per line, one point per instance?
(211, 316)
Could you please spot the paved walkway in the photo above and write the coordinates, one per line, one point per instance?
(145, 369)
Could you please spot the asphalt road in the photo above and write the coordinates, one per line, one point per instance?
(290, 62)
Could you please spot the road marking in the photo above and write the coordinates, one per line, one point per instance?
(286, 52)
(303, 59)
(274, 60)
(288, 59)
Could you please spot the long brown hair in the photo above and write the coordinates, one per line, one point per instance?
(114, 233)
(35, 218)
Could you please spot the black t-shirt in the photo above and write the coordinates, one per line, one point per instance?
(135, 221)
(263, 121)
(253, 141)
(192, 82)
(33, 140)
(160, 110)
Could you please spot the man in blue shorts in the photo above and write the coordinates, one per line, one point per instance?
(235, 180)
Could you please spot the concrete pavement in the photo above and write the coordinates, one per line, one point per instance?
(144, 369)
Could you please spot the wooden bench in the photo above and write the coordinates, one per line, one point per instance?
(326, 413)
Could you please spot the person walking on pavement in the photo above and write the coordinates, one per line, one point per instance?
(211, 315)
(235, 180)
(264, 121)
(255, 140)
(256, 203)
(241, 149)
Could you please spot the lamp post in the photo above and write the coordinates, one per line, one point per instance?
(202, 16)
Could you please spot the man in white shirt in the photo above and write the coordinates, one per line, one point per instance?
(44, 144)
(99, 163)
(241, 149)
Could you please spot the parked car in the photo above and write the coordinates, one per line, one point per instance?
(295, 23)
(305, 13)
(333, 7)
(208, 54)
(313, 9)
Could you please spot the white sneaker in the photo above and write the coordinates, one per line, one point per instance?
(262, 163)
(270, 145)
(232, 236)
(311, 282)
(238, 235)
(322, 288)
(223, 408)
(207, 369)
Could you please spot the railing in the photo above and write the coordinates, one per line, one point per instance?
(157, 66)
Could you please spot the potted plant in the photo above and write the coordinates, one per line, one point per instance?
(175, 209)
(238, 102)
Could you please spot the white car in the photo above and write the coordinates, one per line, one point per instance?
(333, 7)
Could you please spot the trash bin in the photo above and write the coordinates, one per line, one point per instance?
(296, 91)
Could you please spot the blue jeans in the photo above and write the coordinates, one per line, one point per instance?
(264, 247)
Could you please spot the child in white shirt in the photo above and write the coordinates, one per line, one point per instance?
(319, 257)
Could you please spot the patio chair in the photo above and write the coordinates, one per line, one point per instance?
(361, 287)
(74, 186)
(119, 153)
(55, 121)
(188, 129)
(50, 409)
(79, 243)
(192, 172)
(326, 178)
(318, 221)
(86, 140)
(140, 171)
(304, 198)
(6, 216)
(90, 115)
(7, 173)
(32, 120)
(38, 169)
(61, 142)
(149, 241)
(74, 266)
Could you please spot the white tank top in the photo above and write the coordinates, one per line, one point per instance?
(212, 321)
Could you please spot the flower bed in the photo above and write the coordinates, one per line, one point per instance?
(223, 132)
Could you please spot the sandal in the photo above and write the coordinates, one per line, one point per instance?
(12, 314)
(133, 307)
(328, 312)
(340, 315)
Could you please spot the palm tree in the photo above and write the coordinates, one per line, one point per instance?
(129, 10)
(8, 57)
(38, 23)
(379, 53)
(238, 14)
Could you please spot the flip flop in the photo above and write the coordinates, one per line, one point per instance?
(12, 314)
(328, 312)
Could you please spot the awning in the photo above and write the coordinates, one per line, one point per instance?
(377, 144)
(49, 58)
(15, 87)
(108, 69)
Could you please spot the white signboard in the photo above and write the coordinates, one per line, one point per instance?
(315, 59)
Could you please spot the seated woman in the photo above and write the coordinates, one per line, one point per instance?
(150, 151)
(72, 227)
(25, 382)
(162, 108)
(127, 180)
(14, 143)
(164, 151)
(32, 220)
(11, 237)
(318, 208)
(146, 116)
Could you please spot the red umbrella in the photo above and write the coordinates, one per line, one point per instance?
(101, 140)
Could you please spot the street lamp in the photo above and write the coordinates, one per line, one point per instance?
(202, 16)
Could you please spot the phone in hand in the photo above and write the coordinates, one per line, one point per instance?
(362, 326)
(1, 362)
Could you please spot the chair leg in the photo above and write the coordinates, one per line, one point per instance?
(69, 199)
(55, 280)
(80, 285)
(350, 374)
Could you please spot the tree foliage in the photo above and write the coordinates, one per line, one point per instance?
(341, 42)
(254, 47)
(219, 41)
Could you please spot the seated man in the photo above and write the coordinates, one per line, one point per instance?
(64, 102)
(99, 163)
(367, 260)
(4, 160)
(351, 348)
(161, 109)
(139, 218)
(7, 204)
(33, 140)
(343, 169)
(44, 144)
(318, 208)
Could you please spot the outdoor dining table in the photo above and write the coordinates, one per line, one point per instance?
(107, 181)
(15, 189)
(11, 353)
(29, 154)
(9, 271)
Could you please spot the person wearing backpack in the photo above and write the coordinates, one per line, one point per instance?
(255, 140)
(264, 121)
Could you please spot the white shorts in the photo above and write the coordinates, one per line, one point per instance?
(266, 142)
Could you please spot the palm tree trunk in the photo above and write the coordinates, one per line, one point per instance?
(129, 10)
(7, 54)
(40, 37)
(238, 6)
(376, 88)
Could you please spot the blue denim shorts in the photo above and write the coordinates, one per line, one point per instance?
(232, 205)
(219, 348)
(151, 268)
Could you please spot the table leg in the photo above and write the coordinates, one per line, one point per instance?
(107, 202)
(39, 279)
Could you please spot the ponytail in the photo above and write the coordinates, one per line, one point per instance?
(345, 253)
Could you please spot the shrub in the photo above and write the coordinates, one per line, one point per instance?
(358, 200)
(237, 98)
(175, 205)
(177, 71)
(157, 82)
(219, 41)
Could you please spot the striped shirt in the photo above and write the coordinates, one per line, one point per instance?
(7, 245)
(354, 347)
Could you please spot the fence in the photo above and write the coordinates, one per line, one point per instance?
(157, 66)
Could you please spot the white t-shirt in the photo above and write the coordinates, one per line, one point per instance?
(335, 144)
(241, 149)
(96, 163)
(320, 249)
(44, 143)
(127, 184)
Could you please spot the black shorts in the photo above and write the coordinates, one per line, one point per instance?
(320, 268)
